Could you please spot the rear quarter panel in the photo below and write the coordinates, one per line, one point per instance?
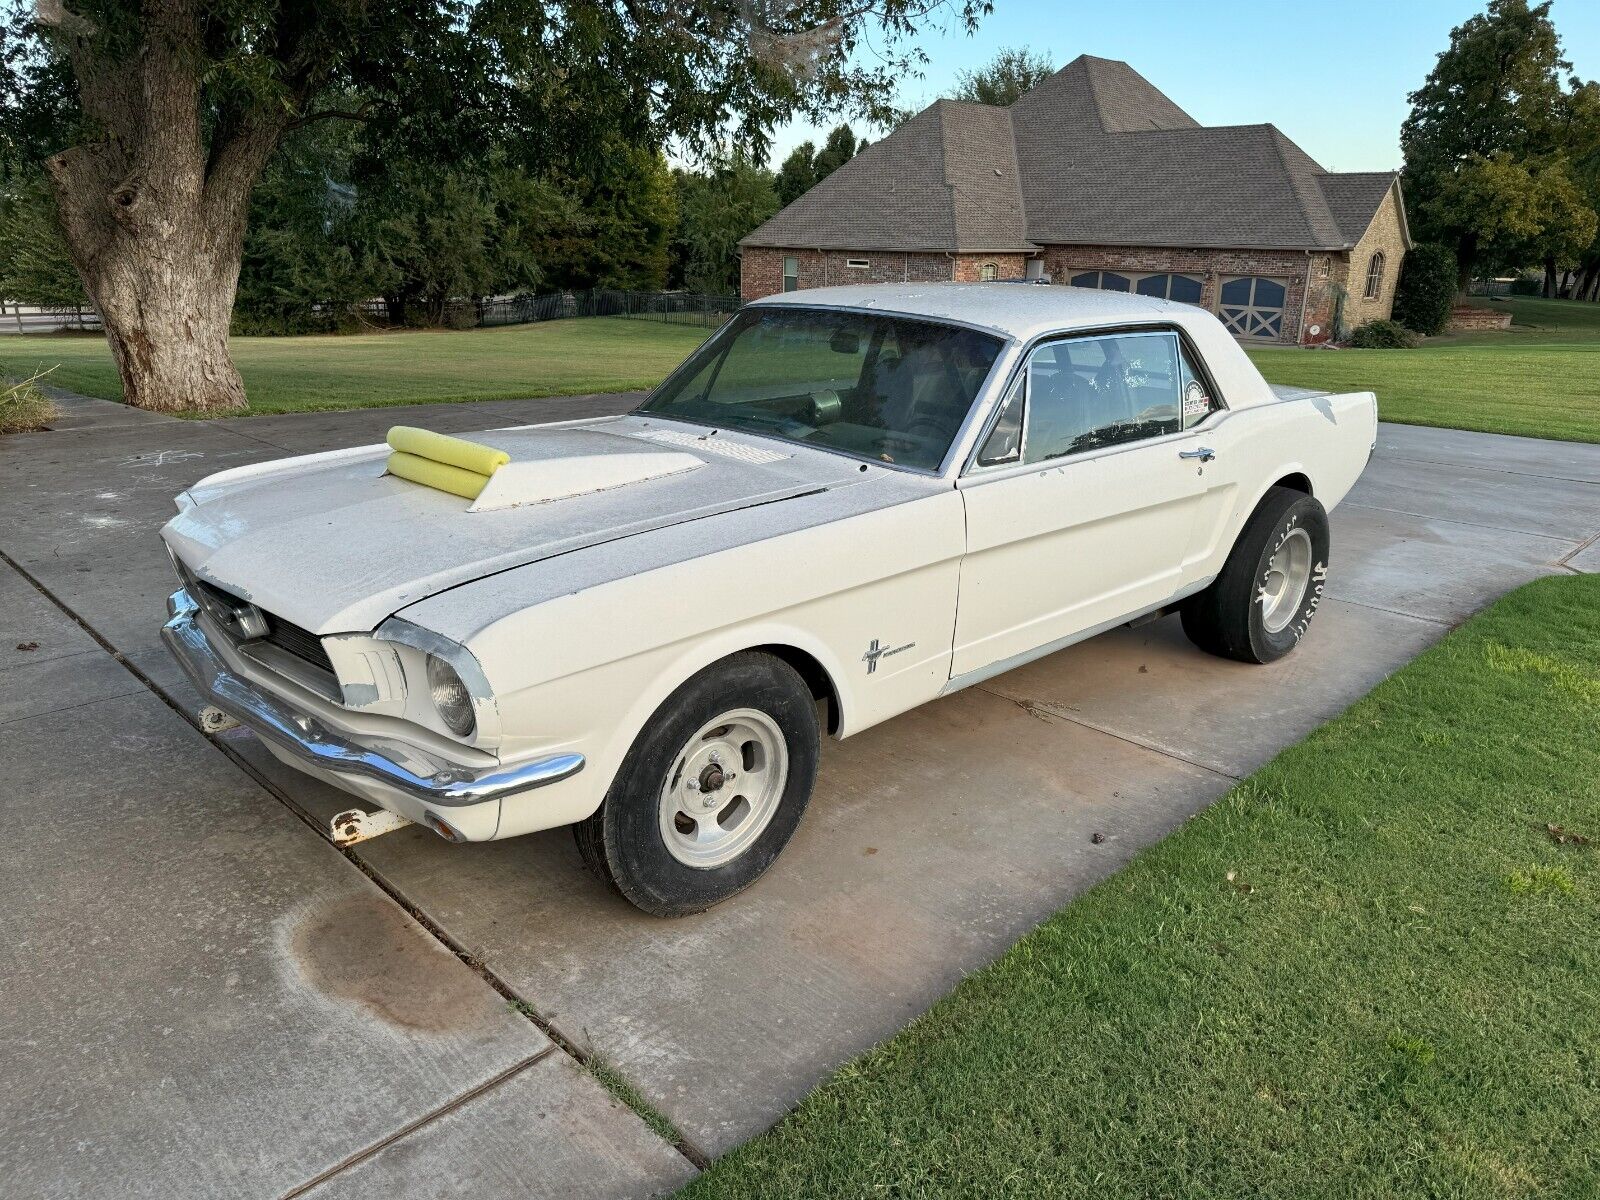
(1328, 438)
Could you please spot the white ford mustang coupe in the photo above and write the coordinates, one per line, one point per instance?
(848, 502)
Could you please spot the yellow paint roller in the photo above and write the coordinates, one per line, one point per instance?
(447, 464)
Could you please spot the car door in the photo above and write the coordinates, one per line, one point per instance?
(1082, 499)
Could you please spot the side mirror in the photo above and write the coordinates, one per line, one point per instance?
(845, 341)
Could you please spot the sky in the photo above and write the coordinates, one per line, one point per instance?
(1332, 74)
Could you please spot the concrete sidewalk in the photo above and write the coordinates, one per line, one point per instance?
(357, 1047)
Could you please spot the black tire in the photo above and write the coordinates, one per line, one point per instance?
(622, 842)
(1227, 618)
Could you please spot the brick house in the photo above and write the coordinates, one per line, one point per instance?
(1096, 179)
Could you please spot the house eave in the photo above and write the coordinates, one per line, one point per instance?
(858, 248)
(1287, 248)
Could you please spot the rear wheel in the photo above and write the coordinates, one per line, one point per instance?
(711, 790)
(1262, 602)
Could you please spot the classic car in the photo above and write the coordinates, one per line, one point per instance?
(846, 503)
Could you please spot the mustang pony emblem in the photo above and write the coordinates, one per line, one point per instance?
(877, 651)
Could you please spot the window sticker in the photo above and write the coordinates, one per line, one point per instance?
(1195, 401)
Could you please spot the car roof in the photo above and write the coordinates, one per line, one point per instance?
(1017, 310)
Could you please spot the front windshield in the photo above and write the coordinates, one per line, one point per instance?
(892, 389)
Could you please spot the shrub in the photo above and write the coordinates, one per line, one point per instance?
(24, 406)
(1427, 288)
(1527, 286)
(247, 323)
(1383, 335)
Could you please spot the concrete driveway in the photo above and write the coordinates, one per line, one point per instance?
(205, 997)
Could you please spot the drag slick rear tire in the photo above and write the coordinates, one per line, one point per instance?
(1262, 602)
(711, 790)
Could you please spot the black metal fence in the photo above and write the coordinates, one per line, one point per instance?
(672, 308)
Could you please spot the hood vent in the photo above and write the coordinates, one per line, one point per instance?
(541, 481)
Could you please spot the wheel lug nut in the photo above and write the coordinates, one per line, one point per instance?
(693, 785)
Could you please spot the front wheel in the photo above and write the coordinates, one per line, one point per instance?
(711, 790)
(1262, 602)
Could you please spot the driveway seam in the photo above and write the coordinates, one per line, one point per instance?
(1440, 462)
(50, 712)
(418, 1123)
(1566, 559)
(696, 1157)
(249, 437)
(1394, 612)
(1406, 512)
(56, 658)
(1035, 708)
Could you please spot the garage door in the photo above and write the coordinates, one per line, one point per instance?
(1105, 281)
(1251, 306)
(1186, 288)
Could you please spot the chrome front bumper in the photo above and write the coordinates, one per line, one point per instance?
(428, 779)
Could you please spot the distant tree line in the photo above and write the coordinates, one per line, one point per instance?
(334, 223)
(1502, 154)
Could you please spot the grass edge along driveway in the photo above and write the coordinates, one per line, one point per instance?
(1370, 969)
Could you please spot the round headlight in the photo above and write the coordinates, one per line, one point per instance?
(450, 698)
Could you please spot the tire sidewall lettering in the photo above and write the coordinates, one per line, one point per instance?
(1296, 629)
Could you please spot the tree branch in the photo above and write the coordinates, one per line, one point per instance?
(360, 113)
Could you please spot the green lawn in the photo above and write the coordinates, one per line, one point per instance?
(554, 358)
(1370, 970)
(1541, 378)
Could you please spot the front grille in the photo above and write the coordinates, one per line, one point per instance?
(285, 635)
(302, 643)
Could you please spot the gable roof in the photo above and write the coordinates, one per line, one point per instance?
(1095, 155)
(1354, 196)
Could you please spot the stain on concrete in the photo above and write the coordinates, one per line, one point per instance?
(365, 950)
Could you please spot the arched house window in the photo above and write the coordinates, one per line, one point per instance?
(1374, 275)
(989, 272)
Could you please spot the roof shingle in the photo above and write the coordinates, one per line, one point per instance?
(1095, 155)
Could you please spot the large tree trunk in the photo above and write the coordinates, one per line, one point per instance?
(164, 286)
(154, 219)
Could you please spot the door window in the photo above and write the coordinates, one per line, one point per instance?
(1084, 394)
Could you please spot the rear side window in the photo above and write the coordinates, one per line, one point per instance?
(1198, 400)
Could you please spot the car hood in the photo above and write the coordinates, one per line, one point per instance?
(334, 545)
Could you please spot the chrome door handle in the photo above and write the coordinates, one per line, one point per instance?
(1204, 453)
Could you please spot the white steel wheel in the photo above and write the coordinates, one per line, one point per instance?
(712, 789)
(1288, 575)
(723, 787)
